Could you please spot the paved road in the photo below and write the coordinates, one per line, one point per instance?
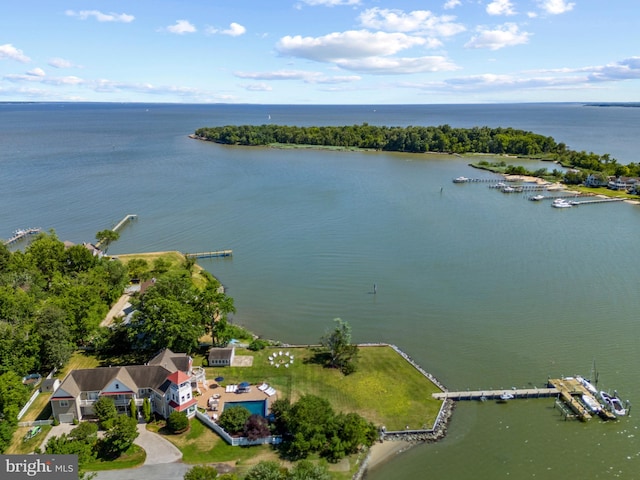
(167, 471)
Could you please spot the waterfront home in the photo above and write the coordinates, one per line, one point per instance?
(623, 183)
(596, 180)
(166, 380)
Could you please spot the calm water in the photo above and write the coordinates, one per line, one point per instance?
(482, 289)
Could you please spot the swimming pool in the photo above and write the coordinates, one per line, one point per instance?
(254, 406)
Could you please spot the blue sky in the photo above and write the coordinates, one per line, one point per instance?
(320, 51)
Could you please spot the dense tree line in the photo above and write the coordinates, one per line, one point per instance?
(311, 426)
(414, 139)
(419, 139)
(52, 300)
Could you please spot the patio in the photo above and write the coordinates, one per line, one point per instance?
(213, 398)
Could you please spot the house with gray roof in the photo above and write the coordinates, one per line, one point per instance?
(165, 381)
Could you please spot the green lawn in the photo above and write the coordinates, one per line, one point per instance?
(134, 457)
(385, 389)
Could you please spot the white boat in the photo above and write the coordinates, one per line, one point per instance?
(613, 404)
(587, 384)
(506, 396)
(591, 403)
(561, 203)
(460, 180)
(508, 189)
(537, 198)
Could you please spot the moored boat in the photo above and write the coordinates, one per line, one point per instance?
(591, 403)
(537, 198)
(613, 404)
(460, 180)
(561, 203)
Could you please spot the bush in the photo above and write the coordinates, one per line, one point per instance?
(258, 344)
(234, 419)
(177, 422)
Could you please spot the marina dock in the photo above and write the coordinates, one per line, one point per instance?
(20, 234)
(217, 253)
(575, 397)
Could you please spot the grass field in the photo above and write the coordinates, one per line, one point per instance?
(175, 258)
(385, 389)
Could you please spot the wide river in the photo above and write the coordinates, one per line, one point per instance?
(484, 290)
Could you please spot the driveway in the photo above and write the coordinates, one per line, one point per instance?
(159, 450)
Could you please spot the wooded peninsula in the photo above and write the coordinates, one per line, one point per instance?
(423, 139)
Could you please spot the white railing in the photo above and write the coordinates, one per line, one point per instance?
(236, 441)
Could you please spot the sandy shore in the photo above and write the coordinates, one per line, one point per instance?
(381, 452)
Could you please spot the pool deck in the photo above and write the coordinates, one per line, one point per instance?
(214, 390)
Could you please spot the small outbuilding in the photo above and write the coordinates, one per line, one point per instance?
(50, 385)
(221, 357)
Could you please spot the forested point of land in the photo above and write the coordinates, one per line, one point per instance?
(421, 139)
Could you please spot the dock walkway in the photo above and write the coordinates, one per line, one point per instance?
(216, 253)
(20, 234)
(495, 394)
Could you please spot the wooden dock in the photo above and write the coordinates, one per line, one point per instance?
(122, 222)
(495, 394)
(217, 253)
(20, 234)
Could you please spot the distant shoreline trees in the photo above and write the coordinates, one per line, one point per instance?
(422, 139)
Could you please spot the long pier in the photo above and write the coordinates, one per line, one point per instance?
(217, 253)
(122, 222)
(496, 394)
(20, 234)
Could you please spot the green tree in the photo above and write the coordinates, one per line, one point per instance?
(201, 472)
(146, 409)
(105, 238)
(13, 394)
(310, 418)
(233, 419)
(307, 470)
(342, 354)
(120, 436)
(133, 409)
(138, 269)
(177, 422)
(267, 470)
(106, 411)
(57, 345)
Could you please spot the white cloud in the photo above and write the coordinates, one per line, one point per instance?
(258, 87)
(60, 63)
(394, 65)
(629, 68)
(500, 7)
(331, 3)
(181, 27)
(506, 36)
(101, 17)
(422, 21)
(556, 7)
(234, 30)
(305, 76)
(344, 45)
(9, 52)
(37, 72)
(449, 4)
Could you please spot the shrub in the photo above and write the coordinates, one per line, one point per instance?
(177, 422)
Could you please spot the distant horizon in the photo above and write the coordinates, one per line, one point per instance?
(586, 103)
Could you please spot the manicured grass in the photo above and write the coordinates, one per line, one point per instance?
(134, 457)
(385, 389)
(177, 260)
(202, 445)
(19, 446)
